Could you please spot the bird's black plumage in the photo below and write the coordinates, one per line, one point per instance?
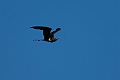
(48, 35)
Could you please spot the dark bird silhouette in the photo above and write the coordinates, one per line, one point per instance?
(48, 35)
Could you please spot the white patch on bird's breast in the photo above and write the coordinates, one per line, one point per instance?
(50, 39)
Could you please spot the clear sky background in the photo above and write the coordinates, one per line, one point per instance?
(89, 47)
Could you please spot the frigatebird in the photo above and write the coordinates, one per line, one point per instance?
(48, 35)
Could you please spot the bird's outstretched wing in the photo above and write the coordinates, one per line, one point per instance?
(52, 33)
(46, 31)
(58, 29)
(41, 27)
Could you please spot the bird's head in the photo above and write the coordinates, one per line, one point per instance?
(55, 39)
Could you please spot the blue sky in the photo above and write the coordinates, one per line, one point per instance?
(89, 47)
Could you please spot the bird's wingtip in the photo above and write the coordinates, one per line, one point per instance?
(31, 27)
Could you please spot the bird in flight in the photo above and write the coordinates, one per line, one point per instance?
(48, 35)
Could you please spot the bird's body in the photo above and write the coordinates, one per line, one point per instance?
(48, 35)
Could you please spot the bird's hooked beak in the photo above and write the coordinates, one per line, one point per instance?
(57, 38)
